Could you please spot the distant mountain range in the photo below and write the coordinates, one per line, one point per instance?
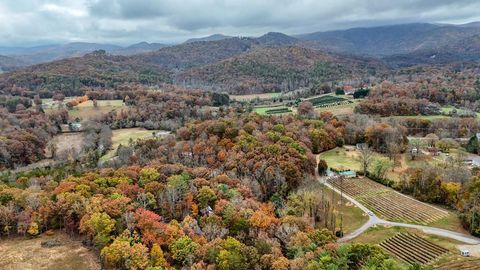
(271, 62)
(48, 53)
(214, 37)
(404, 44)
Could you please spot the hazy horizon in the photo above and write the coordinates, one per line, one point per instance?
(28, 23)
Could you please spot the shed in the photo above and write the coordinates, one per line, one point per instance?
(348, 174)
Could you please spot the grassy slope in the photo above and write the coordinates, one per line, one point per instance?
(341, 159)
(123, 136)
(353, 217)
(86, 110)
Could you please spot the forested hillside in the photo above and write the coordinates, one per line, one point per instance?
(279, 69)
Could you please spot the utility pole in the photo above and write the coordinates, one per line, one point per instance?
(341, 205)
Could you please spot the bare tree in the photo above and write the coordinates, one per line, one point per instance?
(366, 157)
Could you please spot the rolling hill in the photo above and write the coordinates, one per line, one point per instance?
(393, 40)
(9, 63)
(193, 54)
(463, 50)
(96, 70)
(214, 37)
(267, 69)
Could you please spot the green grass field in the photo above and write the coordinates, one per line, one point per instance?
(423, 117)
(353, 217)
(341, 159)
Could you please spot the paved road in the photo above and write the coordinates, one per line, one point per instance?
(374, 220)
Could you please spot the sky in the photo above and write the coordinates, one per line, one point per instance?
(123, 22)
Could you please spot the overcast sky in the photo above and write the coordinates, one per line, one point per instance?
(31, 22)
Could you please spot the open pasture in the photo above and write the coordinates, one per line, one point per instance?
(387, 203)
(86, 110)
(28, 254)
(123, 137)
(412, 248)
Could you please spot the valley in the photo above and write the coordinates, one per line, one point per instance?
(139, 138)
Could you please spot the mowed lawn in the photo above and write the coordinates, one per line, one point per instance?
(123, 136)
(86, 110)
(353, 217)
(342, 159)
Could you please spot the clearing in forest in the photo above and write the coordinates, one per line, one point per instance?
(124, 135)
(86, 110)
(28, 254)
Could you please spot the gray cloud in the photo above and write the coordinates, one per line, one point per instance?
(127, 21)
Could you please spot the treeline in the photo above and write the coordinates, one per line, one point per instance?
(271, 154)
(25, 131)
(388, 99)
(166, 109)
(69, 76)
(452, 185)
(278, 69)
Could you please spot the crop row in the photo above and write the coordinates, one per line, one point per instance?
(334, 104)
(388, 203)
(324, 100)
(413, 249)
(280, 110)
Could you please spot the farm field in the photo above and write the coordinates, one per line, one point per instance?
(389, 204)
(66, 142)
(379, 234)
(412, 248)
(329, 100)
(343, 109)
(86, 111)
(272, 110)
(123, 136)
(250, 97)
(28, 254)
